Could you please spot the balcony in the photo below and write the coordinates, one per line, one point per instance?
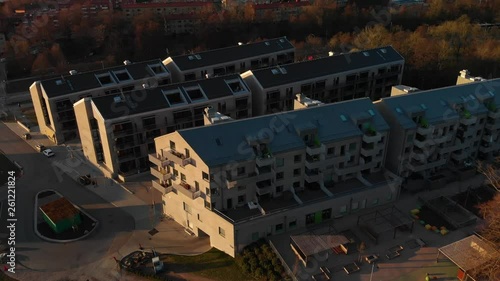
(240, 180)
(371, 137)
(150, 127)
(313, 162)
(264, 160)
(468, 121)
(487, 138)
(494, 114)
(122, 133)
(264, 187)
(346, 170)
(158, 160)
(160, 174)
(459, 156)
(177, 157)
(492, 126)
(443, 139)
(265, 173)
(419, 156)
(418, 167)
(316, 149)
(187, 190)
(489, 147)
(424, 131)
(163, 188)
(423, 143)
(313, 176)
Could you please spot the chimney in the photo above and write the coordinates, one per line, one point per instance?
(73, 72)
(127, 62)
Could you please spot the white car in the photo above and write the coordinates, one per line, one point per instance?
(48, 152)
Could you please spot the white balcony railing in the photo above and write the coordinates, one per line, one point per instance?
(370, 139)
(160, 174)
(158, 160)
(321, 149)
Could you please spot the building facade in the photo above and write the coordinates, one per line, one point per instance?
(235, 59)
(242, 180)
(370, 73)
(117, 131)
(53, 99)
(446, 127)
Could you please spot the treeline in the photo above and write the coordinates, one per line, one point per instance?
(435, 39)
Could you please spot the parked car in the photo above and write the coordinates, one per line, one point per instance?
(27, 136)
(40, 147)
(48, 152)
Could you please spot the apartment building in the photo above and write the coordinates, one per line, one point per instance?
(234, 59)
(164, 9)
(53, 98)
(370, 73)
(117, 131)
(439, 128)
(279, 11)
(242, 180)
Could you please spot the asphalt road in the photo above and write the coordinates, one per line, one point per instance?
(115, 226)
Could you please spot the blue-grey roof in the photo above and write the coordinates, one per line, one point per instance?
(438, 103)
(305, 70)
(233, 53)
(141, 101)
(281, 129)
(85, 81)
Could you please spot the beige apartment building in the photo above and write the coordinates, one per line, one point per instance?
(242, 180)
(234, 59)
(440, 128)
(370, 73)
(53, 99)
(117, 131)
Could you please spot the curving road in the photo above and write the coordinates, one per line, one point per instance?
(114, 230)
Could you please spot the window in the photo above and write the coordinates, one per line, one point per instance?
(389, 197)
(196, 186)
(330, 151)
(375, 201)
(183, 177)
(240, 171)
(241, 199)
(279, 176)
(204, 176)
(279, 227)
(352, 146)
(255, 236)
(122, 75)
(172, 145)
(326, 214)
(222, 232)
(296, 172)
(354, 205)
(343, 209)
(280, 162)
(176, 173)
(297, 158)
(241, 187)
(309, 219)
(199, 218)
(292, 224)
(187, 208)
(296, 184)
(279, 189)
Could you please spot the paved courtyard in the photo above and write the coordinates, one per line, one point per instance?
(414, 261)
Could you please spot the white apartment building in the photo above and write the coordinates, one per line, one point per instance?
(439, 128)
(53, 98)
(238, 181)
(117, 131)
(369, 73)
(234, 59)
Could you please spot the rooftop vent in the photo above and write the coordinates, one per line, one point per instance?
(190, 57)
(343, 118)
(73, 72)
(330, 54)
(59, 82)
(267, 43)
(145, 86)
(371, 112)
(240, 43)
(127, 62)
(275, 71)
(383, 51)
(282, 69)
(282, 40)
(117, 99)
(197, 57)
(398, 110)
(366, 54)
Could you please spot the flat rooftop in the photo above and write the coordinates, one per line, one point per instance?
(169, 96)
(233, 53)
(114, 76)
(299, 71)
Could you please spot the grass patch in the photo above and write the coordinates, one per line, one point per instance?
(213, 264)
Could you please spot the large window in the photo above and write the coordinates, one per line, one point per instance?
(326, 214)
(309, 219)
(222, 232)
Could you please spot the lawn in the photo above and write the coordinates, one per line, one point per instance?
(213, 264)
